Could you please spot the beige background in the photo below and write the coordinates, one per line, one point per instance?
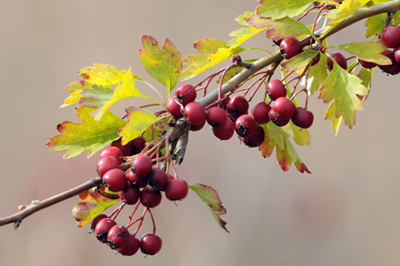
(345, 213)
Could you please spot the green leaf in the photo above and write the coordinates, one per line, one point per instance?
(281, 8)
(299, 61)
(164, 65)
(375, 25)
(285, 153)
(242, 35)
(336, 122)
(93, 204)
(139, 121)
(366, 75)
(96, 96)
(286, 27)
(211, 199)
(300, 135)
(344, 89)
(368, 51)
(90, 135)
(317, 74)
(346, 8)
(102, 75)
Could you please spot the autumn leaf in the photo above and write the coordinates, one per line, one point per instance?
(317, 75)
(102, 75)
(368, 51)
(286, 27)
(164, 65)
(336, 121)
(375, 25)
(75, 88)
(299, 61)
(93, 204)
(90, 135)
(281, 8)
(211, 199)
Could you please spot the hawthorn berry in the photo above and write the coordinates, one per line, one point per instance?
(303, 118)
(139, 182)
(260, 112)
(256, 139)
(131, 247)
(276, 89)
(115, 180)
(130, 194)
(238, 105)
(366, 64)
(284, 107)
(245, 126)
(277, 119)
(112, 151)
(105, 164)
(391, 37)
(185, 93)
(137, 145)
(158, 179)
(339, 58)
(397, 55)
(126, 149)
(94, 222)
(142, 165)
(150, 244)
(224, 132)
(102, 228)
(290, 47)
(177, 189)
(173, 107)
(195, 113)
(391, 67)
(216, 116)
(150, 197)
(197, 127)
(117, 236)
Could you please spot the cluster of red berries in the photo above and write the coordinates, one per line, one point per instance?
(118, 237)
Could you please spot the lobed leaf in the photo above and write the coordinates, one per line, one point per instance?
(211, 199)
(102, 75)
(286, 27)
(90, 135)
(336, 122)
(368, 51)
(164, 65)
(317, 74)
(281, 8)
(375, 25)
(75, 88)
(299, 61)
(346, 8)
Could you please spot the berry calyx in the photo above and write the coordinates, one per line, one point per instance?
(303, 118)
(277, 120)
(150, 197)
(115, 180)
(185, 93)
(256, 139)
(284, 107)
(290, 47)
(260, 112)
(195, 113)
(275, 89)
(224, 132)
(391, 37)
(102, 228)
(238, 105)
(150, 244)
(216, 116)
(245, 126)
(177, 189)
(142, 165)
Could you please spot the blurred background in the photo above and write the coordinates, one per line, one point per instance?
(347, 212)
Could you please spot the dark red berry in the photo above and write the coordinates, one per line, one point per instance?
(303, 118)
(158, 179)
(391, 37)
(339, 58)
(397, 55)
(130, 194)
(366, 64)
(197, 127)
(195, 113)
(185, 93)
(276, 119)
(216, 116)
(102, 228)
(112, 151)
(275, 89)
(126, 149)
(118, 236)
(150, 244)
(177, 189)
(105, 164)
(238, 105)
(245, 126)
(290, 47)
(173, 107)
(316, 59)
(260, 112)
(131, 246)
(139, 182)
(137, 145)
(224, 132)
(115, 180)
(256, 139)
(391, 67)
(284, 107)
(142, 165)
(94, 222)
(150, 197)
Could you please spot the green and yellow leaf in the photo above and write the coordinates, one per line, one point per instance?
(102, 75)
(368, 51)
(281, 8)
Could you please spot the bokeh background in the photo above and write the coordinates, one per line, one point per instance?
(346, 213)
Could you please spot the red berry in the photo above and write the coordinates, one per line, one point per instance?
(158, 179)
(260, 112)
(195, 113)
(115, 180)
(226, 131)
(131, 246)
(185, 93)
(130, 194)
(245, 126)
(276, 119)
(392, 67)
(177, 189)
(105, 164)
(284, 107)
(339, 58)
(302, 118)
(316, 59)
(197, 127)
(150, 197)
(126, 149)
(366, 64)
(112, 151)
(238, 105)
(391, 37)
(137, 145)
(216, 116)
(256, 139)
(98, 218)
(139, 182)
(150, 244)
(118, 236)
(102, 228)
(397, 55)
(142, 165)
(173, 107)
(290, 47)
(275, 89)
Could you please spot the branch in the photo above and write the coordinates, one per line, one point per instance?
(37, 205)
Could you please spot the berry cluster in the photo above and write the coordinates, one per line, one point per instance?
(138, 179)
